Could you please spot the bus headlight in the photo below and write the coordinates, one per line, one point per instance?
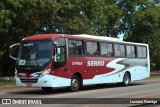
(46, 72)
(40, 74)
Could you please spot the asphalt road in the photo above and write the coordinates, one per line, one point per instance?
(89, 96)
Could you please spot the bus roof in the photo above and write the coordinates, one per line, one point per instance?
(80, 36)
(43, 36)
(84, 36)
(98, 37)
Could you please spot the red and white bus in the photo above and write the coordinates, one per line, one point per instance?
(61, 60)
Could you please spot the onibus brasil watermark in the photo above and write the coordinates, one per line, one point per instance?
(21, 101)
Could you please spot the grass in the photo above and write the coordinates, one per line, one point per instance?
(5, 82)
(155, 75)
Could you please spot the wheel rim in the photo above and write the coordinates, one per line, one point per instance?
(75, 83)
(126, 79)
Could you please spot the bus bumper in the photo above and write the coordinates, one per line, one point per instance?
(45, 81)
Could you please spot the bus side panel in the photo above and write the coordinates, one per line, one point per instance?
(95, 70)
(138, 69)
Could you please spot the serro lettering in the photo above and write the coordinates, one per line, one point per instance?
(95, 63)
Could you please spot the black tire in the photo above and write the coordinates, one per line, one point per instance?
(75, 83)
(126, 79)
(47, 89)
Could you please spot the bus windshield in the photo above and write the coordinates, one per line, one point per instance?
(34, 53)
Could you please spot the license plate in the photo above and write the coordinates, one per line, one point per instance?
(29, 85)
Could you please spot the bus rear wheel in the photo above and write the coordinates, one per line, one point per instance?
(75, 83)
(126, 79)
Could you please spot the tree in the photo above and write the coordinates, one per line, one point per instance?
(107, 20)
(21, 18)
(128, 8)
(91, 17)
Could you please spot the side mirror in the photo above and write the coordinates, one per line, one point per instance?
(14, 50)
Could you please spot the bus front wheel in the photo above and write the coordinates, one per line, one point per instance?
(75, 83)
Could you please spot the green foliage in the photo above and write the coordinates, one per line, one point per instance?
(6, 82)
(153, 66)
(106, 23)
(21, 18)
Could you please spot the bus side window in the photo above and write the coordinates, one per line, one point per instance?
(119, 50)
(106, 49)
(80, 47)
(130, 51)
(141, 52)
(75, 47)
(92, 49)
(72, 47)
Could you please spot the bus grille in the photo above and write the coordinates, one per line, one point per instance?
(29, 80)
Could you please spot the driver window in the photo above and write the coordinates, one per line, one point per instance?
(59, 57)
